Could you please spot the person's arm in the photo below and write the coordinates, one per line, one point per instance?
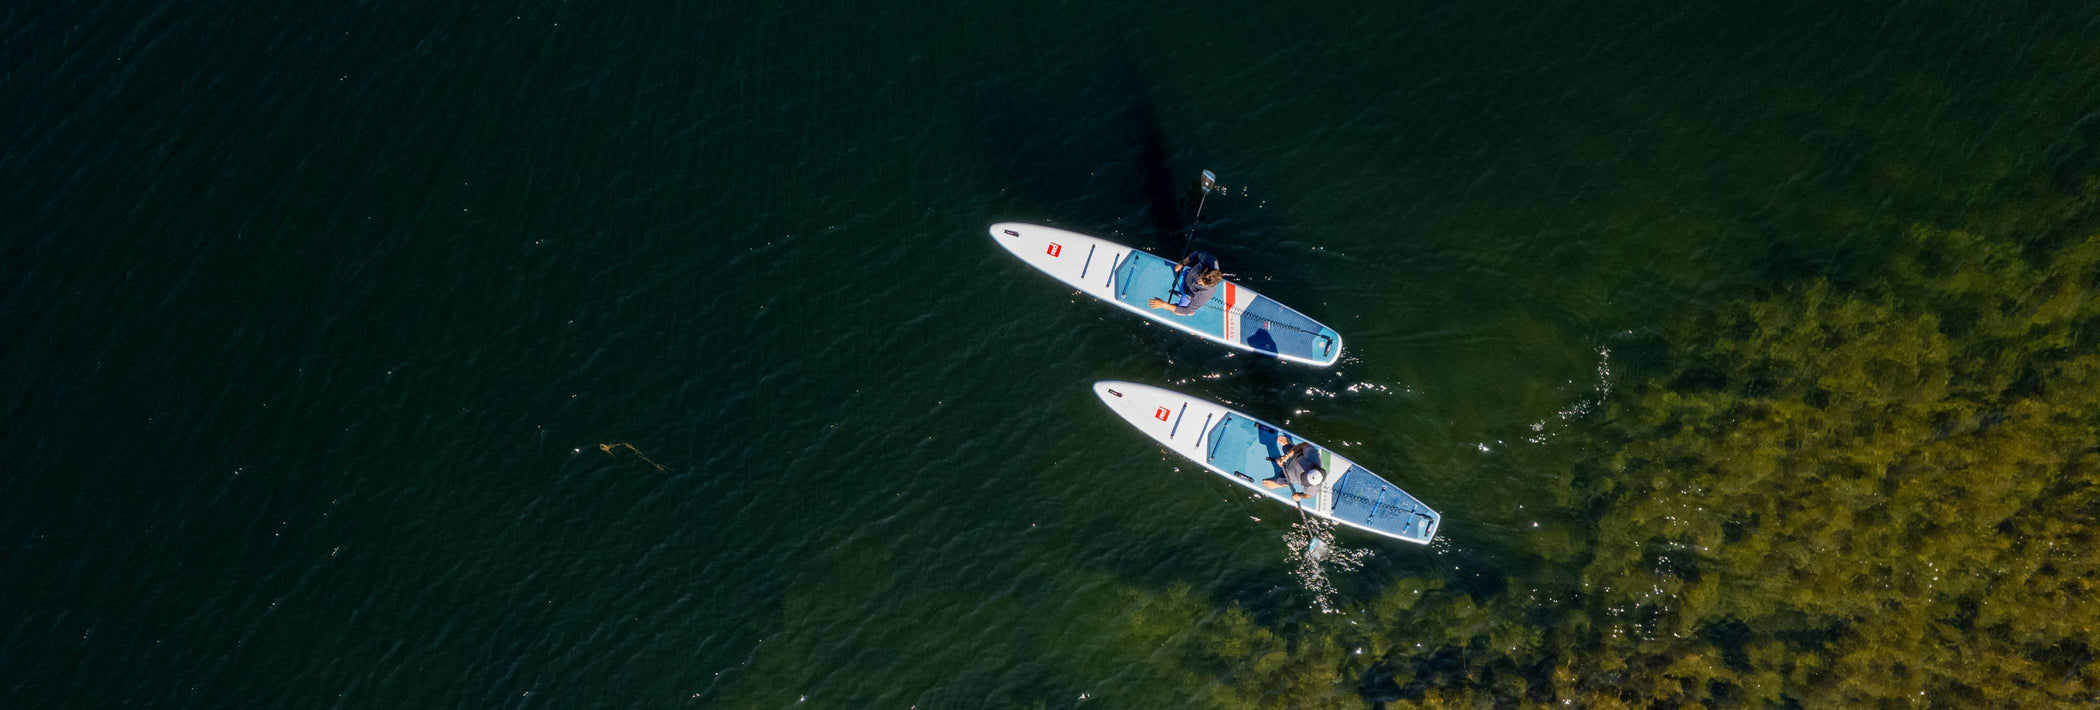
(1165, 306)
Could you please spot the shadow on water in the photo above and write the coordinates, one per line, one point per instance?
(1091, 164)
(1156, 174)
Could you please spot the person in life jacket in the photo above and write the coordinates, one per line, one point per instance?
(1195, 279)
(1300, 468)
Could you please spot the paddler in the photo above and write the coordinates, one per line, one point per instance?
(1195, 279)
(1300, 467)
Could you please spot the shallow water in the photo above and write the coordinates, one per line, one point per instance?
(315, 320)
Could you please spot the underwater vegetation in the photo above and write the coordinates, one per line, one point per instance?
(1866, 476)
(1848, 458)
(1828, 496)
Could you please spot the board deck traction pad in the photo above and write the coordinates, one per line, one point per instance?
(1238, 447)
(1235, 315)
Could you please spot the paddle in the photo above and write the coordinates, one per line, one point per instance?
(1204, 183)
(1311, 540)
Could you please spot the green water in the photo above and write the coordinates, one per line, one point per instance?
(315, 318)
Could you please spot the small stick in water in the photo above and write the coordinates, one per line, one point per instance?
(608, 449)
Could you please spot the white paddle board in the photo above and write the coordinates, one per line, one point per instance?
(1235, 316)
(1238, 447)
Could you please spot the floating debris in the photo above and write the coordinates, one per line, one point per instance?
(608, 449)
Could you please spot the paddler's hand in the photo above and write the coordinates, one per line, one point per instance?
(1159, 304)
(1282, 440)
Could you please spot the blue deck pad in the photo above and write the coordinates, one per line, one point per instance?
(1244, 446)
(1239, 445)
(1145, 277)
(1363, 498)
(1287, 331)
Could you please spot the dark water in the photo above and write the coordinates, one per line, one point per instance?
(314, 319)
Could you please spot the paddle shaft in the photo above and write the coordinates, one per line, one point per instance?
(1310, 536)
(1204, 182)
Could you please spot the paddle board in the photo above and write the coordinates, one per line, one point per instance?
(1235, 316)
(1238, 447)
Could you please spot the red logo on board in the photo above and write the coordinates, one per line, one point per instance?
(1055, 248)
(1161, 414)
